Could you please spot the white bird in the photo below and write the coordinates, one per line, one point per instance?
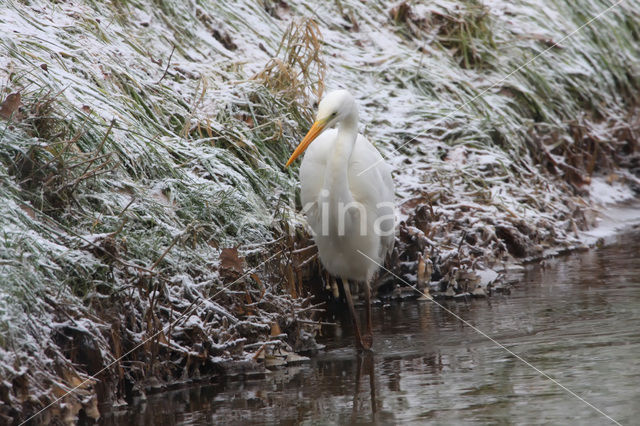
(347, 193)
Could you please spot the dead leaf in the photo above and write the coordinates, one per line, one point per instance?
(421, 269)
(425, 269)
(91, 408)
(231, 264)
(10, 107)
(29, 211)
(263, 289)
(275, 329)
(260, 353)
(162, 338)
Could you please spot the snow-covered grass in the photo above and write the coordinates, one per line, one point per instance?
(152, 135)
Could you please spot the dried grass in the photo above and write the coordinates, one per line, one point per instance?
(297, 69)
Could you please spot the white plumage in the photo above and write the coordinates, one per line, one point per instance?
(347, 193)
(373, 190)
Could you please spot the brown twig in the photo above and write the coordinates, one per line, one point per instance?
(173, 243)
(168, 63)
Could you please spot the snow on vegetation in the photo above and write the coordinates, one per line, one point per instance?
(142, 151)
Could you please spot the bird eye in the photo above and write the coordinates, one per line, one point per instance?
(334, 113)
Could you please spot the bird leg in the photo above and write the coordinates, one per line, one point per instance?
(352, 311)
(367, 339)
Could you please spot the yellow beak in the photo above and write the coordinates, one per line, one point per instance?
(313, 133)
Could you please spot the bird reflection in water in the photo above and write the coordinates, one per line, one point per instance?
(364, 365)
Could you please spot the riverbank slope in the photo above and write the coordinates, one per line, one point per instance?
(150, 231)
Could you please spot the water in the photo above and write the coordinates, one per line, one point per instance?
(575, 317)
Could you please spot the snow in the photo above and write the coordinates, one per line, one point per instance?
(487, 276)
(603, 191)
(611, 220)
(404, 96)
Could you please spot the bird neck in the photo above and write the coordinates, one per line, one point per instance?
(336, 179)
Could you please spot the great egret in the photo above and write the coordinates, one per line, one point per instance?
(347, 193)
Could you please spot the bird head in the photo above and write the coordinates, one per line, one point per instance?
(333, 108)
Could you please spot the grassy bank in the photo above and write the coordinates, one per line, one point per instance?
(142, 147)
